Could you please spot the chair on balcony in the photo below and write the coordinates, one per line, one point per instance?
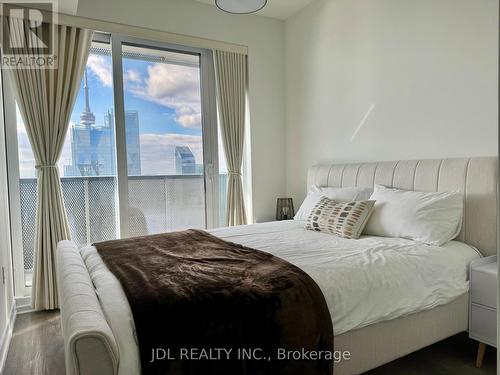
(137, 222)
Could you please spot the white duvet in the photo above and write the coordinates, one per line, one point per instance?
(364, 281)
(368, 280)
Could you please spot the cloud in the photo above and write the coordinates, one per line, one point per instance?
(25, 154)
(173, 86)
(176, 87)
(101, 68)
(188, 117)
(158, 151)
(132, 80)
(27, 159)
(132, 76)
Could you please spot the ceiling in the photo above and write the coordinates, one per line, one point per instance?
(281, 9)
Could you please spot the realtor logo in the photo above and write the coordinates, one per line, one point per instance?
(28, 34)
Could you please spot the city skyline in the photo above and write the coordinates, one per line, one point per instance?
(168, 112)
(93, 144)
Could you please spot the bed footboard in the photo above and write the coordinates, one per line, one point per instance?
(89, 345)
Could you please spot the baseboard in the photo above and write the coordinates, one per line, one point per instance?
(6, 337)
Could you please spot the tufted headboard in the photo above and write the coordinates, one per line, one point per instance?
(476, 178)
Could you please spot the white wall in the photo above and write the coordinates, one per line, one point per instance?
(265, 40)
(429, 67)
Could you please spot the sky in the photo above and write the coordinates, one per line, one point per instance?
(167, 97)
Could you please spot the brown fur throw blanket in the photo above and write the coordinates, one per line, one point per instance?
(205, 306)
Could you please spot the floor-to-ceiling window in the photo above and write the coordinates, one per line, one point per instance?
(141, 154)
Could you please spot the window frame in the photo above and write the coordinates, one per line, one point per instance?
(20, 288)
(209, 124)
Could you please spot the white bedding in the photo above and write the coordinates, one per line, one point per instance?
(368, 280)
(364, 281)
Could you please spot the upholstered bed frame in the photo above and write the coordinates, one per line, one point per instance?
(90, 344)
(476, 178)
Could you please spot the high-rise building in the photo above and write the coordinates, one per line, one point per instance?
(133, 143)
(198, 169)
(185, 162)
(93, 146)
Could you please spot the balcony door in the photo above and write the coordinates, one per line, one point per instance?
(166, 137)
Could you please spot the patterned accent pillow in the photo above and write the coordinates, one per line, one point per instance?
(343, 219)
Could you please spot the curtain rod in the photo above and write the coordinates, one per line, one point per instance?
(140, 32)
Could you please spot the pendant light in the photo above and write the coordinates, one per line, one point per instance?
(240, 6)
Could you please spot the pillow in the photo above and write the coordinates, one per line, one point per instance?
(346, 194)
(431, 218)
(345, 219)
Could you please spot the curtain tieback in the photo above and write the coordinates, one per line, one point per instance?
(45, 166)
(234, 173)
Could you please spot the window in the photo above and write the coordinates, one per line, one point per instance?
(141, 154)
(166, 189)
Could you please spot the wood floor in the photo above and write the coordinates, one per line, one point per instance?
(37, 349)
(37, 346)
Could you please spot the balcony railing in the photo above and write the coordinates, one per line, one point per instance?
(156, 204)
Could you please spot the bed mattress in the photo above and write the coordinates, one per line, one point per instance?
(364, 281)
(368, 280)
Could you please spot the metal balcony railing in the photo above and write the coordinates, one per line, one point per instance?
(156, 204)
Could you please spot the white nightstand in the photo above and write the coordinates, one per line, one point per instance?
(483, 304)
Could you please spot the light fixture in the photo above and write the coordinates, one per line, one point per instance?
(240, 6)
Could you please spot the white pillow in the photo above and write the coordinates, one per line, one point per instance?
(340, 195)
(431, 218)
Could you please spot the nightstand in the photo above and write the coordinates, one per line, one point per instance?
(483, 304)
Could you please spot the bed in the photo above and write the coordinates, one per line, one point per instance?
(408, 309)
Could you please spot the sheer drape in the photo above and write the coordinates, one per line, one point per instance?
(231, 70)
(45, 98)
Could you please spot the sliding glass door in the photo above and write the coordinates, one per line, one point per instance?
(167, 137)
(141, 153)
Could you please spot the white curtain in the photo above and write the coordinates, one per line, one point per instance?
(45, 98)
(231, 71)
